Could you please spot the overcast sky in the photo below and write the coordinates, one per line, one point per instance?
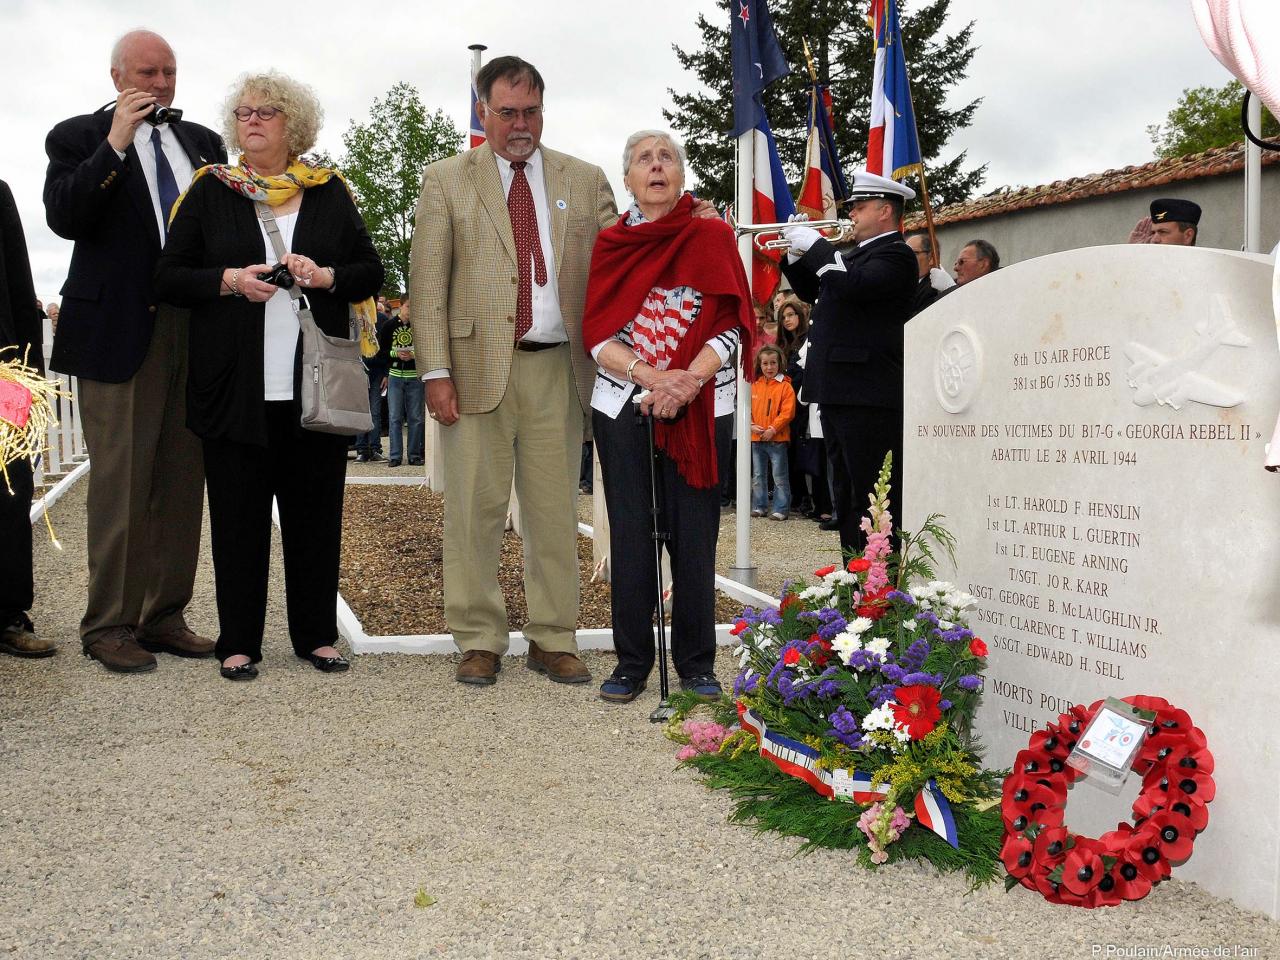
(1068, 88)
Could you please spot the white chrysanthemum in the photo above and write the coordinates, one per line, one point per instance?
(846, 645)
(882, 718)
(945, 624)
(816, 592)
(858, 626)
(909, 625)
(877, 645)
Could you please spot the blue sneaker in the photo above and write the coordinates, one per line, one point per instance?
(621, 689)
(705, 686)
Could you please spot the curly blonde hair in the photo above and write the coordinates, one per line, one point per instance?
(303, 115)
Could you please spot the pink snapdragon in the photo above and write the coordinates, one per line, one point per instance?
(705, 736)
(882, 827)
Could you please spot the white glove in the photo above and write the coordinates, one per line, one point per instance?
(940, 280)
(800, 238)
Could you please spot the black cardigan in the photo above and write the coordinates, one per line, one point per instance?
(217, 228)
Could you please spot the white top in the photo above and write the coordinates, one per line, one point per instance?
(178, 161)
(280, 334)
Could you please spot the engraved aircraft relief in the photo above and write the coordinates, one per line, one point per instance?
(1172, 381)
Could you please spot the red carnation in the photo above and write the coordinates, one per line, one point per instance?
(874, 605)
(917, 709)
(789, 601)
(791, 657)
(978, 647)
(859, 565)
(825, 571)
(738, 627)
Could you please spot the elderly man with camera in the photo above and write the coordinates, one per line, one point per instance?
(113, 176)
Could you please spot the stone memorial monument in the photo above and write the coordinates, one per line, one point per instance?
(1092, 426)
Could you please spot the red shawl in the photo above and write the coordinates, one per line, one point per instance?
(678, 250)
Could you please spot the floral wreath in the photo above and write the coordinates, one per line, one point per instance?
(1123, 864)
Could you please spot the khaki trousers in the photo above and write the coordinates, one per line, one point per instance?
(535, 436)
(146, 490)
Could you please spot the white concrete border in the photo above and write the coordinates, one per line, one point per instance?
(51, 496)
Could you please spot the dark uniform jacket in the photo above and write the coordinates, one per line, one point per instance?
(101, 202)
(20, 324)
(925, 295)
(862, 300)
(216, 228)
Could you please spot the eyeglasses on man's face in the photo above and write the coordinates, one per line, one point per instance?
(509, 114)
(264, 113)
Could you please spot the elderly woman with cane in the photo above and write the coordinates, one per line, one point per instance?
(238, 240)
(667, 302)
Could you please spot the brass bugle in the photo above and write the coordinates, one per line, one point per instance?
(835, 231)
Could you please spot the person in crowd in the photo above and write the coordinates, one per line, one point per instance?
(112, 179)
(587, 469)
(368, 446)
(22, 339)
(502, 243)
(667, 303)
(1175, 222)
(766, 324)
(246, 367)
(726, 393)
(404, 389)
(977, 258)
(854, 364)
(933, 281)
(807, 454)
(773, 406)
(52, 312)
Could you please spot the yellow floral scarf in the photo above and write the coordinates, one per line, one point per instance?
(274, 191)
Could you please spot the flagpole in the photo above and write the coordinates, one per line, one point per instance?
(743, 571)
(936, 255)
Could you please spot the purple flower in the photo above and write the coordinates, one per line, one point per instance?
(919, 676)
(845, 729)
(882, 694)
(916, 654)
(899, 597)
(969, 682)
(744, 686)
(944, 705)
(893, 672)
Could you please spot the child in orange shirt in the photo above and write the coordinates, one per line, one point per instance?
(773, 404)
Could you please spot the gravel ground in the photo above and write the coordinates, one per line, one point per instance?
(176, 815)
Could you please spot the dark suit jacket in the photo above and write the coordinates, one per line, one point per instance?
(101, 202)
(216, 228)
(861, 305)
(20, 324)
(924, 296)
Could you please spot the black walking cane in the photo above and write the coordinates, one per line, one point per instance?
(664, 711)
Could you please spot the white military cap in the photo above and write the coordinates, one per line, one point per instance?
(867, 185)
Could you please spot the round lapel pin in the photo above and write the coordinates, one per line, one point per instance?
(561, 204)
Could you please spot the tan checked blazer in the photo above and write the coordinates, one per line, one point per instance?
(462, 275)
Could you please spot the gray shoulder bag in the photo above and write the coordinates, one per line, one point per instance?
(335, 387)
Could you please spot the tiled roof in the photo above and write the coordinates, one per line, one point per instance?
(1211, 163)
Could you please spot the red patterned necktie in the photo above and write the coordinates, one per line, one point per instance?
(524, 224)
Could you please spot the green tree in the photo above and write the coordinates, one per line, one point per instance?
(1205, 117)
(842, 47)
(383, 163)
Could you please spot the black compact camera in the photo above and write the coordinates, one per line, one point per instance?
(163, 114)
(278, 275)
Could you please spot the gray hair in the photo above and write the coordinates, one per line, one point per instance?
(303, 115)
(640, 136)
(120, 46)
(985, 251)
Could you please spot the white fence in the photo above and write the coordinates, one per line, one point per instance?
(66, 436)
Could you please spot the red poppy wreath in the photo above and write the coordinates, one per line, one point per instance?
(1124, 864)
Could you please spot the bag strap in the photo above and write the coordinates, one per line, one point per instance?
(277, 244)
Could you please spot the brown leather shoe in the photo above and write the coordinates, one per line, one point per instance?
(118, 651)
(181, 642)
(560, 667)
(18, 640)
(479, 667)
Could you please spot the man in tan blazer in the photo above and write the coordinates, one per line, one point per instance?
(498, 277)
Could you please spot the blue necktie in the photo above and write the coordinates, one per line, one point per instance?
(166, 183)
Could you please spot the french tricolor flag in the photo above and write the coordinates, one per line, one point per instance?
(772, 203)
(893, 149)
(824, 184)
(477, 128)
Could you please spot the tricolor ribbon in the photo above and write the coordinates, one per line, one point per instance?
(801, 761)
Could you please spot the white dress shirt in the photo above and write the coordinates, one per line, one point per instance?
(178, 160)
